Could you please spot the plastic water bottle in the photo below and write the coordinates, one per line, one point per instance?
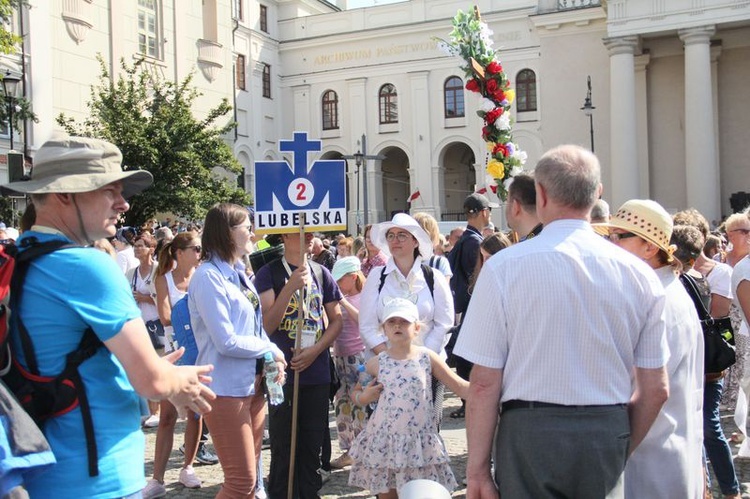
(271, 371)
(364, 378)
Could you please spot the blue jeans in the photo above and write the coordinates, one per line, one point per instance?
(715, 444)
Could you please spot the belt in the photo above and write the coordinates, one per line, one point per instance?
(525, 404)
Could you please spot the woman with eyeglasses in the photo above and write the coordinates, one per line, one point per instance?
(375, 257)
(178, 260)
(141, 279)
(405, 275)
(737, 227)
(226, 317)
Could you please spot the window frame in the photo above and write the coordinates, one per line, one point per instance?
(263, 18)
(526, 91)
(146, 32)
(240, 72)
(266, 80)
(387, 101)
(239, 9)
(330, 109)
(456, 90)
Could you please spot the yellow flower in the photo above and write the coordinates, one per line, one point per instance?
(496, 169)
(490, 146)
(510, 95)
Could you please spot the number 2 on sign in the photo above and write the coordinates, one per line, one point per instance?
(301, 192)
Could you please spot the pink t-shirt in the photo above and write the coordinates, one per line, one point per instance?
(349, 342)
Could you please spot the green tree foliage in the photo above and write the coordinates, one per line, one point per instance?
(151, 121)
(9, 41)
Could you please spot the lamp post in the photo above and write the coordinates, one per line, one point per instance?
(588, 110)
(10, 89)
(360, 159)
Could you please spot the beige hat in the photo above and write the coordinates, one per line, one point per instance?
(79, 164)
(647, 219)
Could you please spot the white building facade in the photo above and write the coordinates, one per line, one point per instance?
(670, 118)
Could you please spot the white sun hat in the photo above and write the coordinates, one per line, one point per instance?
(407, 223)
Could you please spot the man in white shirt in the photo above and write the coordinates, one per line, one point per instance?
(566, 333)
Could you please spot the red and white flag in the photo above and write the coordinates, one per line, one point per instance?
(414, 196)
(483, 190)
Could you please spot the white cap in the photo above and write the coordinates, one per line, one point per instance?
(401, 307)
(423, 489)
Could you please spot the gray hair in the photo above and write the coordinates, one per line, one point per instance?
(600, 211)
(570, 175)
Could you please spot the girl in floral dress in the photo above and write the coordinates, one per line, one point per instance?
(400, 442)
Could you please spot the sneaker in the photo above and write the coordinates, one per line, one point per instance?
(260, 494)
(188, 478)
(342, 461)
(153, 489)
(205, 456)
(152, 422)
(324, 475)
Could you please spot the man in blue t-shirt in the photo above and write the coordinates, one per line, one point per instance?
(279, 298)
(79, 191)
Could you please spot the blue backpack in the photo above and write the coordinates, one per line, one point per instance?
(183, 332)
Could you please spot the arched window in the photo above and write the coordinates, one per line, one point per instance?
(388, 104)
(330, 110)
(453, 91)
(526, 90)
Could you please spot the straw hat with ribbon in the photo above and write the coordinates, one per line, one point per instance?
(78, 164)
(648, 220)
(407, 223)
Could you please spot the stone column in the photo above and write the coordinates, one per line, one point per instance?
(641, 99)
(623, 162)
(701, 168)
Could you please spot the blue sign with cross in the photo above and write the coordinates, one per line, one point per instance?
(313, 195)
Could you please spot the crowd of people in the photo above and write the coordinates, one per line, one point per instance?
(578, 351)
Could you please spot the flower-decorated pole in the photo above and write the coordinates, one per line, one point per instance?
(471, 40)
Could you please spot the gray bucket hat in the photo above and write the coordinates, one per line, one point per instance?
(79, 164)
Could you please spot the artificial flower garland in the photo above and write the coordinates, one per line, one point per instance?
(471, 40)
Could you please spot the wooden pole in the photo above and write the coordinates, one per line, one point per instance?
(297, 345)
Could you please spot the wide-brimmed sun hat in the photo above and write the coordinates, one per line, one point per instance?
(402, 308)
(647, 219)
(344, 266)
(79, 164)
(407, 223)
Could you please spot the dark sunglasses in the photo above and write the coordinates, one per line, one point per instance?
(197, 248)
(614, 237)
(744, 231)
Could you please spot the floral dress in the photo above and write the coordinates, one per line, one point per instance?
(400, 442)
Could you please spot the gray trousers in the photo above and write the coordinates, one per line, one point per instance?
(551, 452)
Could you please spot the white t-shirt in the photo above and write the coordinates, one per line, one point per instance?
(741, 272)
(720, 280)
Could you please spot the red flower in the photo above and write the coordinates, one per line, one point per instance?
(499, 96)
(494, 68)
(500, 151)
(493, 115)
(487, 133)
(491, 86)
(472, 85)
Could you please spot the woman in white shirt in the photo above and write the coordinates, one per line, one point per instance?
(407, 246)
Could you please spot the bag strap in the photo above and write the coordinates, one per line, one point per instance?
(33, 250)
(691, 287)
(427, 272)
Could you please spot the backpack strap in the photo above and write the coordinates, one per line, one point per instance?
(429, 277)
(33, 250)
(87, 347)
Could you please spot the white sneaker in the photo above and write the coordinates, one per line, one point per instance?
(188, 478)
(153, 489)
(152, 421)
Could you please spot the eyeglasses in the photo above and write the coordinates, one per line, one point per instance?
(615, 237)
(744, 231)
(248, 227)
(402, 237)
(197, 248)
